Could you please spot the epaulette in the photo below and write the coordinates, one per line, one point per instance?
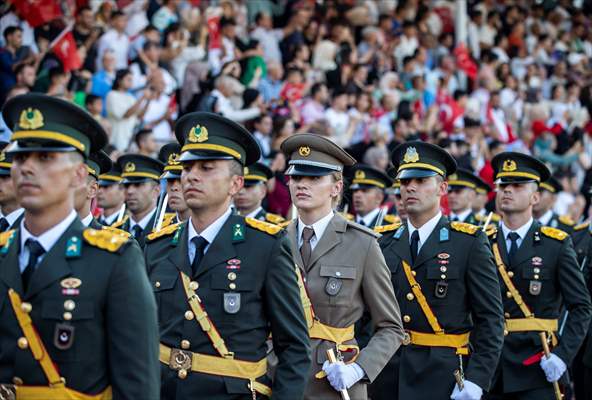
(583, 226)
(166, 231)
(274, 218)
(168, 219)
(387, 228)
(566, 220)
(104, 239)
(490, 230)
(348, 216)
(5, 237)
(496, 217)
(120, 223)
(554, 233)
(464, 227)
(263, 226)
(363, 228)
(117, 231)
(392, 219)
(285, 223)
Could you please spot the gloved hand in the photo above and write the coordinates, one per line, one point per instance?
(342, 376)
(553, 366)
(469, 392)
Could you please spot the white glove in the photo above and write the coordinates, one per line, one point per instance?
(553, 366)
(469, 392)
(342, 376)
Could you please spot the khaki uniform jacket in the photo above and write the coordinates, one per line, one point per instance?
(350, 253)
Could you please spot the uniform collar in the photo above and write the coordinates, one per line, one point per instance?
(13, 216)
(546, 218)
(426, 229)
(254, 214)
(368, 218)
(144, 222)
(48, 238)
(111, 218)
(522, 231)
(87, 220)
(319, 227)
(462, 216)
(211, 231)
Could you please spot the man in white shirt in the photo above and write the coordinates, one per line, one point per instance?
(268, 37)
(223, 106)
(84, 195)
(116, 40)
(368, 186)
(462, 191)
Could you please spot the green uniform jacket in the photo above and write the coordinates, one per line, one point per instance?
(582, 238)
(457, 275)
(126, 226)
(269, 302)
(115, 336)
(562, 285)
(561, 223)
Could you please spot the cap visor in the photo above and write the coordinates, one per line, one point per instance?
(4, 172)
(128, 181)
(361, 186)
(15, 147)
(204, 155)
(105, 182)
(509, 179)
(416, 173)
(168, 175)
(307, 170)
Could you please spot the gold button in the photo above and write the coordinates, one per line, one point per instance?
(67, 315)
(193, 285)
(69, 305)
(17, 381)
(232, 285)
(509, 295)
(442, 276)
(413, 273)
(537, 270)
(232, 276)
(157, 284)
(507, 315)
(443, 269)
(182, 374)
(410, 296)
(26, 307)
(510, 274)
(536, 277)
(185, 344)
(406, 318)
(506, 333)
(22, 343)
(189, 315)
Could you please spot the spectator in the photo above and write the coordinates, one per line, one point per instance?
(166, 15)
(149, 34)
(341, 123)
(13, 54)
(116, 40)
(271, 85)
(58, 81)
(6, 131)
(263, 126)
(268, 37)
(147, 64)
(25, 75)
(314, 108)
(86, 35)
(222, 93)
(94, 106)
(160, 110)
(102, 80)
(144, 140)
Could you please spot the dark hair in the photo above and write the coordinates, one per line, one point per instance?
(83, 9)
(224, 21)
(316, 88)
(116, 14)
(54, 72)
(140, 135)
(20, 68)
(149, 45)
(10, 30)
(119, 75)
(259, 16)
(90, 98)
(150, 27)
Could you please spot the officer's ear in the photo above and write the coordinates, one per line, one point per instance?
(442, 186)
(535, 197)
(92, 188)
(80, 170)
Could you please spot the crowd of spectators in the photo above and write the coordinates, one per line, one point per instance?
(367, 74)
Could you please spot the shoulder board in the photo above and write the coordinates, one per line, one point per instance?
(490, 230)
(480, 217)
(263, 226)
(121, 232)
(285, 223)
(392, 219)
(120, 223)
(362, 228)
(6, 237)
(274, 218)
(554, 233)
(348, 216)
(387, 228)
(566, 220)
(583, 226)
(496, 217)
(166, 231)
(168, 219)
(464, 227)
(104, 239)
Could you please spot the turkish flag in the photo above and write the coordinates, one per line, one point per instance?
(464, 61)
(38, 12)
(65, 49)
(214, 32)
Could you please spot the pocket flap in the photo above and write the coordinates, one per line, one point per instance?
(164, 282)
(54, 309)
(339, 271)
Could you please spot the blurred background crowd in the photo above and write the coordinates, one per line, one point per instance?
(476, 77)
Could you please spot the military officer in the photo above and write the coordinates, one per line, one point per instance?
(96, 164)
(223, 282)
(249, 199)
(462, 192)
(445, 281)
(478, 206)
(539, 275)
(397, 213)
(343, 270)
(141, 176)
(78, 316)
(111, 198)
(543, 210)
(368, 191)
(169, 156)
(12, 212)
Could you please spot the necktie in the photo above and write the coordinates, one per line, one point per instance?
(137, 232)
(414, 245)
(4, 224)
(361, 222)
(513, 236)
(306, 249)
(454, 219)
(200, 246)
(35, 251)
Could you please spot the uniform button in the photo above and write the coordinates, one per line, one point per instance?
(338, 274)
(232, 276)
(506, 333)
(537, 270)
(17, 381)
(67, 315)
(182, 374)
(510, 274)
(507, 315)
(442, 276)
(69, 305)
(26, 307)
(413, 273)
(193, 285)
(157, 284)
(189, 315)
(443, 269)
(185, 344)
(232, 285)
(536, 277)
(410, 296)
(22, 343)
(406, 318)
(509, 295)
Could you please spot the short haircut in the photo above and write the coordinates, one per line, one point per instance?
(83, 9)
(117, 14)
(21, 67)
(141, 134)
(55, 72)
(10, 30)
(235, 168)
(90, 98)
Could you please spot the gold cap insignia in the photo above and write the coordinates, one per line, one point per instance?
(509, 166)
(130, 167)
(246, 171)
(198, 134)
(71, 283)
(411, 155)
(360, 174)
(453, 177)
(173, 159)
(304, 151)
(2, 156)
(31, 118)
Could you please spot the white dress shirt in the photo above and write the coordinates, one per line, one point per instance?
(367, 219)
(319, 228)
(87, 220)
(462, 216)
(522, 231)
(545, 219)
(13, 216)
(424, 231)
(47, 239)
(109, 220)
(253, 214)
(143, 223)
(208, 234)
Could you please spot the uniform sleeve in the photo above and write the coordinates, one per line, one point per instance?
(484, 298)
(380, 301)
(576, 300)
(132, 329)
(288, 325)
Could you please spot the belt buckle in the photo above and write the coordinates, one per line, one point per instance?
(7, 392)
(180, 359)
(406, 338)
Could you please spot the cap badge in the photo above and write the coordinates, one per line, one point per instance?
(411, 155)
(130, 167)
(246, 171)
(31, 118)
(360, 174)
(198, 134)
(173, 159)
(304, 151)
(509, 166)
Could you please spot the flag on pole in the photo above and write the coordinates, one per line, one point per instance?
(64, 47)
(38, 12)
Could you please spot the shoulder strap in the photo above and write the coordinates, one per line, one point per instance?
(305, 299)
(508, 282)
(423, 303)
